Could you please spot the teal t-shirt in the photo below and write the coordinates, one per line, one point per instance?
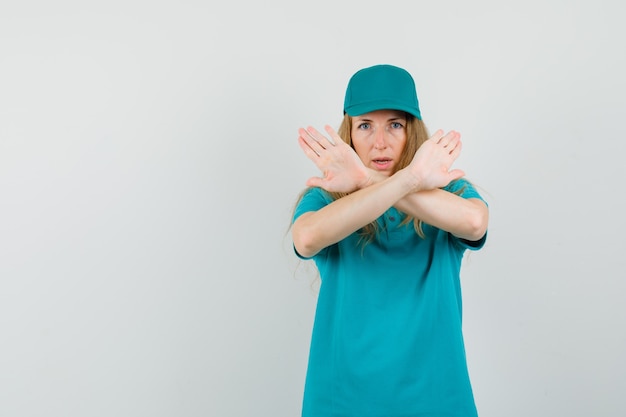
(387, 338)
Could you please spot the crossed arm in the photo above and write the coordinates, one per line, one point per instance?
(415, 190)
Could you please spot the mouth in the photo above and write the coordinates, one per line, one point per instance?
(382, 163)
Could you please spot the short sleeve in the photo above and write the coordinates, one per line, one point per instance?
(465, 189)
(312, 199)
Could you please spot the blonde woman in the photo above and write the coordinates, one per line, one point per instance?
(387, 226)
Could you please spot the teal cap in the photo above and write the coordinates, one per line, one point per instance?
(381, 87)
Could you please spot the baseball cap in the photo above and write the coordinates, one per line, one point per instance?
(381, 87)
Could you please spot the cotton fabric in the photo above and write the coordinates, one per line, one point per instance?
(387, 337)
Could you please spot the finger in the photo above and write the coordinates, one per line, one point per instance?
(455, 174)
(315, 182)
(334, 136)
(305, 138)
(315, 135)
(310, 141)
(436, 137)
(319, 138)
(449, 139)
(452, 141)
(311, 153)
(455, 150)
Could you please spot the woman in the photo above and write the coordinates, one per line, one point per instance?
(387, 226)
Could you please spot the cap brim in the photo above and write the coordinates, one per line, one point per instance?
(360, 109)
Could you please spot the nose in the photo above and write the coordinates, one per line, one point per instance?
(380, 141)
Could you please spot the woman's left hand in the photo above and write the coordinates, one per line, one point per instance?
(343, 170)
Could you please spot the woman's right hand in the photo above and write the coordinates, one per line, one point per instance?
(342, 169)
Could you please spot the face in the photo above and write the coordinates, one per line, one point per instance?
(379, 138)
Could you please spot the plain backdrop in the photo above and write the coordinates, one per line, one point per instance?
(149, 166)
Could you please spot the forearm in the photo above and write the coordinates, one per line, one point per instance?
(314, 231)
(464, 218)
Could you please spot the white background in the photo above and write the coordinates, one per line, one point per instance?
(149, 165)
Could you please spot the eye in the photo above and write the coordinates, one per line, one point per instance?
(396, 125)
(363, 126)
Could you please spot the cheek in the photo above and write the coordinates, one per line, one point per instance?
(400, 145)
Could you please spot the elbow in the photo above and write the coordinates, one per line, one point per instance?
(304, 241)
(477, 224)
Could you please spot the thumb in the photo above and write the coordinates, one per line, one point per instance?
(455, 174)
(314, 182)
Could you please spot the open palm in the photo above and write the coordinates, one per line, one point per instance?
(342, 169)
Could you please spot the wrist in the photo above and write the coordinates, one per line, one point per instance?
(412, 183)
(373, 177)
(366, 179)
